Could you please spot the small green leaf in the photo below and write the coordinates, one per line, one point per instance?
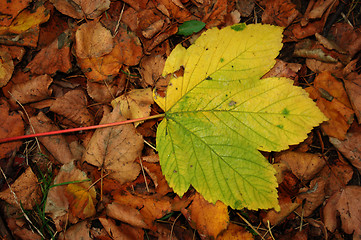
(220, 113)
(190, 27)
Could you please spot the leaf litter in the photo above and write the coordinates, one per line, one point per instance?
(128, 197)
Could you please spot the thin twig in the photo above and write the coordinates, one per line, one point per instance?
(250, 225)
(118, 23)
(145, 178)
(9, 139)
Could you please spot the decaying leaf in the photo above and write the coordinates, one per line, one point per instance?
(25, 191)
(220, 112)
(235, 232)
(115, 149)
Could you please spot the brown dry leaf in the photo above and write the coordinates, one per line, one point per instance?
(115, 149)
(337, 174)
(81, 8)
(26, 20)
(214, 13)
(155, 173)
(209, 219)
(123, 232)
(151, 207)
(79, 199)
(125, 214)
(287, 207)
(56, 144)
(11, 124)
(284, 69)
(25, 191)
(17, 228)
(319, 8)
(279, 12)
(245, 7)
(347, 205)
(347, 37)
(127, 50)
(135, 104)
(235, 232)
(53, 58)
(353, 88)
(93, 40)
(296, 31)
(73, 106)
(350, 147)
(104, 93)
(152, 68)
(318, 67)
(174, 11)
(303, 165)
(6, 67)
(340, 116)
(10, 9)
(314, 195)
(80, 230)
(32, 90)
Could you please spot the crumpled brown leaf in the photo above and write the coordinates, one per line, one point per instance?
(115, 149)
(279, 12)
(73, 106)
(26, 189)
(347, 205)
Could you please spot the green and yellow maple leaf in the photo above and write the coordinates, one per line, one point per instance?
(220, 113)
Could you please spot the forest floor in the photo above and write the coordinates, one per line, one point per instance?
(75, 64)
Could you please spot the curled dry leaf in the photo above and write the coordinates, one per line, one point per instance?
(93, 40)
(11, 124)
(33, 90)
(347, 205)
(81, 8)
(6, 67)
(135, 104)
(25, 191)
(55, 57)
(209, 219)
(55, 144)
(115, 149)
(77, 198)
(73, 106)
